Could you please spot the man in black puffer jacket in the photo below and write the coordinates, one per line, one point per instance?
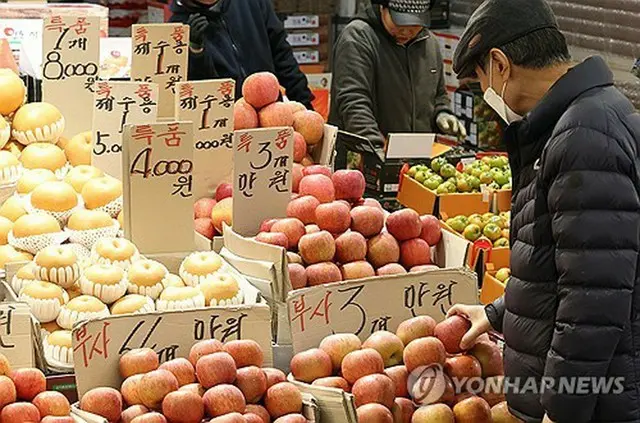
(236, 38)
(570, 313)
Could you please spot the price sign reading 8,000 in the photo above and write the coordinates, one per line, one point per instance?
(71, 42)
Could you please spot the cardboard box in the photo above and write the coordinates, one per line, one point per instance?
(382, 174)
(492, 288)
(17, 330)
(310, 409)
(336, 405)
(425, 201)
(265, 266)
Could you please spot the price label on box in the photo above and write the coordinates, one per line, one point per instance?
(118, 104)
(16, 334)
(158, 186)
(70, 67)
(160, 55)
(209, 105)
(263, 159)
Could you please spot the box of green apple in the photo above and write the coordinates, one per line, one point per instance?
(476, 186)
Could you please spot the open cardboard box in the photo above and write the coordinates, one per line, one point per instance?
(265, 266)
(310, 409)
(492, 288)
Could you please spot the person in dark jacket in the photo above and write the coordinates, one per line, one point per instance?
(236, 38)
(388, 75)
(572, 305)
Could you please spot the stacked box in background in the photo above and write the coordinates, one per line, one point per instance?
(448, 40)
(484, 128)
(309, 37)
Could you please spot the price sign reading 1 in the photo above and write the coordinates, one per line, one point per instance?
(209, 105)
(70, 67)
(118, 104)
(160, 55)
(158, 159)
(262, 160)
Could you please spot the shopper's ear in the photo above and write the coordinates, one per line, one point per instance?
(501, 63)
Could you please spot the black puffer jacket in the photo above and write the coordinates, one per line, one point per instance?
(244, 37)
(571, 308)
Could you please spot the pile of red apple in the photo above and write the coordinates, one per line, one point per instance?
(260, 108)
(24, 397)
(377, 372)
(333, 234)
(209, 214)
(224, 382)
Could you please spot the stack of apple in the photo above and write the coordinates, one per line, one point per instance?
(260, 108)
(224, 382)
(338, 235)
(489, 226)
(24, 397)
(210, 213)
(381, 372)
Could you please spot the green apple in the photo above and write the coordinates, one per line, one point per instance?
(442, 189)
(474, 182)
(492, 231)
(507, 186)
(500, 178)
(463, 185)
(420, 176)
(503, 274)
(468, 169)
(448, 171)
(450, 186)
(437, 163)
(486, 160)
(496, 220)
(432, 183)
(486, 178)
(463, 219)
(496, 161)
(413, 170)
(501, 242)
(504, 161)
(456, 224)
(476, 219)
(494, 186)
(472, 232)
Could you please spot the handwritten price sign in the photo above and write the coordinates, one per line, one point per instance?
(158, 159)
(209, 105)
(70, 67)
(160, 55)
(375, 304)
(16, 342)
(262, 160)
(118, 104)
(98, 344)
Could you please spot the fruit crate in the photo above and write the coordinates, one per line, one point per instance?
(492, 288)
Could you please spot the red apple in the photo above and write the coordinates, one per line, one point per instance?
(293, 258)
(424, 268)
(304, 209)
(132, 412)
(274, 376)
(105, 402)
(299, 147)
(141, 360)
(222, 213)
(333, 217)
(333, 382)
(204, 227)
(319, 186)
(130, 388)
(372, 202)
(253, 418)
(388, 345)
(203, 207)
(357, 270)
(51, 403)
(374, 413)
(433, 413)
(224, 190)
(267, 224)
(64, 419)
(416, 327)
(400, 376)
(490, 358)
(216, 369)
(312, 229)
(404, 224)
(350, 246)
(361, 363)
(252, 382)
(258, 410)
(317, 170)
(181, 369)
(292, 418)
(431, 229)
(8, 393)
(5, 367)
(29, 383)
(152, 417)
(195, 388)
(229, 418)
(183, 407)
(297, 276)
(451, 331)
(500, 414)
(349, 184)
(383, 249)
(403, 409)
(323, 273)
(154, 386)
(292, 228)
(391, 269)
(245, 352)
(317, 247)
(307, 366)
(224, 399)
(283, 398)
(202, 348)
(463, 366)
(296, 176)
(337, 346)
(376, 388)
(273, 238)
(20, 412)
(424, 352)
(367, 220)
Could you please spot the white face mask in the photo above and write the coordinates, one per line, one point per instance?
(497, 102)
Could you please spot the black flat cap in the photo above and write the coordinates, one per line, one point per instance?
(496, 23)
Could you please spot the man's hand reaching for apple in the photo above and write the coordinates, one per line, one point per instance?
(479, 322)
